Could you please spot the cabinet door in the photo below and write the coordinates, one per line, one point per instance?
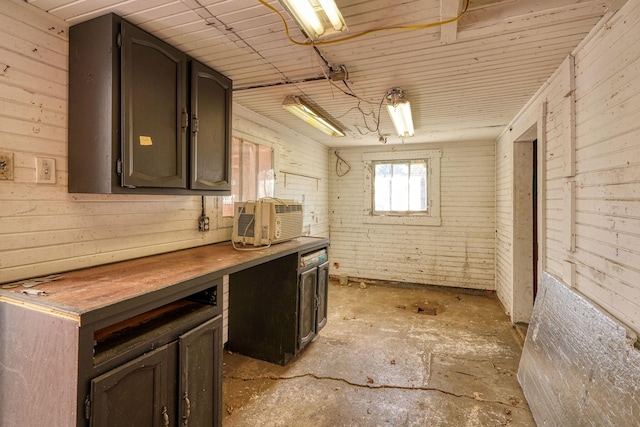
(154, 117)
(200, 401)
(210, 129)
(307, 307)
(323, 292)
(135, 394)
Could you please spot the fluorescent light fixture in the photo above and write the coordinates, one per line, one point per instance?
(316, 17)
(302, 110)
(399, 109)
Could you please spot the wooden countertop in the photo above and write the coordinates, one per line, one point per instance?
(86, 294)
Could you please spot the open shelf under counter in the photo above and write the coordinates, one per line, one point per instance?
(99, 320)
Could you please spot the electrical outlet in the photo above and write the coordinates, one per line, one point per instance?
(6, 166)
(45, 171)
(203, 223)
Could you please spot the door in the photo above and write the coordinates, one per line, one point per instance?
(210, 129)
(154, 115)
(200, 375)
(307, 307)
(323, 292)
(135, 394)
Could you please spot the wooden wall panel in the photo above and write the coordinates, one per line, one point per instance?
(43, 228)
(504, 223)
(305, 162)
(604, 219)
(607, 256)
(459, 253)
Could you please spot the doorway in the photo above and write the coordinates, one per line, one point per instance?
(534, 211)
(526, 225)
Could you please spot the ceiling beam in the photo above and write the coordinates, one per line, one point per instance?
(507, 16)
(448, 10)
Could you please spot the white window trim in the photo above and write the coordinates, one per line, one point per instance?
(227, 221)
(432, 217)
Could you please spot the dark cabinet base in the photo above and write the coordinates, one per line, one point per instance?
(263, 302)
(179, 383)
(277, 308)
(135, 394)
(117, 344)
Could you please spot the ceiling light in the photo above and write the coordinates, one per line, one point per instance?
(400, 111)
(296, 106)
(316, 17)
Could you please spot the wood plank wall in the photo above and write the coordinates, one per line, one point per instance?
(592, 215)
(459, 253)
(300, 166)
(44, 229)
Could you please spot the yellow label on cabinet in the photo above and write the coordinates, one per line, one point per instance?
(145, 140)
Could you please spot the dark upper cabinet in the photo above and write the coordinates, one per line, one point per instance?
(154, 111)
(143, 116)
(210, 128)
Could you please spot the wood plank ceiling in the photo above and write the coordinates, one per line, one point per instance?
(465, 80)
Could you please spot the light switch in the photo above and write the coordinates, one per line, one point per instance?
(45, 171)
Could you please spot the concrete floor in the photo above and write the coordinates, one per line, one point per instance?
(379, 362)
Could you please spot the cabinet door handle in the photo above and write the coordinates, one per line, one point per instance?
(165, 417)
(187, 409)
(185, 119)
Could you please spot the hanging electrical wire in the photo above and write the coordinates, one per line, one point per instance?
(376, 119)
(340, 171)
(351, 93)
(364, 33)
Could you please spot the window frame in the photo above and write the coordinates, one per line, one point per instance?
(409, 164)
(227, 221)
(430, 217)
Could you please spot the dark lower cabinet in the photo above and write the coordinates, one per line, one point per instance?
(200, 375)
(135, 394)
(308, 303)
(323, 293)
(314, 284)
(138, 343)
(276, 309)
(176, 384)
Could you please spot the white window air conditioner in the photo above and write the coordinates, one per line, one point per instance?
(266, 221)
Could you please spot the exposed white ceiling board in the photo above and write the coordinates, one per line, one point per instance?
(465, 79)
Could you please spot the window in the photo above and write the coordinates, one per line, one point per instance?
(252, 175)
(402, 187)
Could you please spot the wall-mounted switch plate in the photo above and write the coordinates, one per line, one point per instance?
(45, 171)
(6, 166)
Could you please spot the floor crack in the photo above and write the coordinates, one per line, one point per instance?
(370, 386)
